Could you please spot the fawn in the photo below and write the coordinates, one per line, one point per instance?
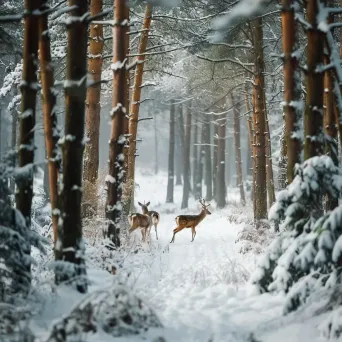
(139, 221)
(191, 221)
(152, 214)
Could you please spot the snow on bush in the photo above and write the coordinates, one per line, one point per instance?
(307, 256)
(115, 312)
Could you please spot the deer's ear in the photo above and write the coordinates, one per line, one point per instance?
(147, 204)
(140, 204)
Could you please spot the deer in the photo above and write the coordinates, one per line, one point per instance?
(152, 214)
(191, 221)
(141, 221)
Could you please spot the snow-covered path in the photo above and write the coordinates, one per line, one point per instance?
(195, 287)
(198, 289)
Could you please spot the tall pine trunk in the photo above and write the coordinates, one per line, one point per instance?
(50, 116)
(331, 146)
(282, 165)
(181, 137)
(194, 157)
(269, 163)
(93, 106)
(29, 87)
(220, 194)
(117, 141)
(313, 123)
(215, 147)
(178, 159)
(207, 161)
(170, 183)
(135, 105)
(187, 141)
(70, 242)
(259, 123)
(238, 150)
(292, 110)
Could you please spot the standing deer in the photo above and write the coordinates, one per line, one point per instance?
(139, 221)
(152, 214)
(191, 221)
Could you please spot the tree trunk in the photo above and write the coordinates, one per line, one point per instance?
(187, 140)
(50, 117)
(170, 183)
(313, 123)
(282, 173)
(93, 108)
(238, 150)
(156, 161)
(117, 139)
(331, 146)
(126, 192)
(24, 193)
(178, 153)
(71, 246)
(178, 158)
(215, 142)
(250, 133)
(181, 137)
(14, 125)
(259, 122)
(200, 164)
(292, 93)
(221, 159)
(208, 168)
(135, 105)
(269, 164)
(194, 158)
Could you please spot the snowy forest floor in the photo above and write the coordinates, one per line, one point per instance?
(199, 290)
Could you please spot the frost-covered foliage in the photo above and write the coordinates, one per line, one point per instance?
(307, 256)
(115, 312)
(15, 239)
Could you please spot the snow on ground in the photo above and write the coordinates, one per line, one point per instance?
(199, 289)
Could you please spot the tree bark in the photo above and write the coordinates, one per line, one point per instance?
(135, 105)
(170, 183)
(269, 164)
(117, 135)
(29, 87)
(50, 117)
(207, 156)
(70, 241)
(187, 140)
(178, 159)
(221, 160)
(181, 137)
(194, 158)
(93, 105)
(282, 174)
(14, 125)
(292, 93)
(259, 123)
(250, 133)
(156, 161)
(331, 145)
(313, 123)
(215, 142)
(238, 150)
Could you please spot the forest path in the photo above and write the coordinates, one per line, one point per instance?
(196, 288)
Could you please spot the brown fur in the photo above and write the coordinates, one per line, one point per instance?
(190, 221)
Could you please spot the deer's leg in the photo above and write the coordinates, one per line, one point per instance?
(193, 233)
(143, 234)
(175, 231)
(155, 227)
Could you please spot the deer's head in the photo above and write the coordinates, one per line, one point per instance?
(204, 206)
(144, 206)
